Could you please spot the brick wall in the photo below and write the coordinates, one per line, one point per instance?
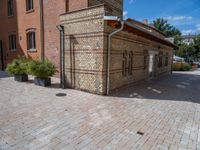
(52, 11)
(85, 49)
(129, 42)
(115, 6)
(77, 5)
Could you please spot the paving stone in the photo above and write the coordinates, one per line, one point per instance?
(33, 117)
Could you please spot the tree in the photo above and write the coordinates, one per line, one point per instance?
(196, 45)
(169, 30)
(190, 52)
(187, 52)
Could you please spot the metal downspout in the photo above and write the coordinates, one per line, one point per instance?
(108, 56)
(42, 29)
(62, 56)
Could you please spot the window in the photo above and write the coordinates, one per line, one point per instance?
(29, 5)
(124, 63)
(31, 44)
(130, 63)
(160, 60)
(12, 42)
(167, 59)
(67, 5)
(10, 7)
(145, 59)
(145, 62)
(127, 63)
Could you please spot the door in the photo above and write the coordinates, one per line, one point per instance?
(152, 65)
(1, 56)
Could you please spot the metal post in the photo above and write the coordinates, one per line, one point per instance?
(62, 56)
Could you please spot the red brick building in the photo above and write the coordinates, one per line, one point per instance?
(28, 27)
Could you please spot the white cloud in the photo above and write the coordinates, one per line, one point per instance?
(125, 13)
(190, 31)
(178, 18)
(132, 1)
(198, 27)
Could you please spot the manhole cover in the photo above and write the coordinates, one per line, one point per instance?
(140, 133)
(61, 94)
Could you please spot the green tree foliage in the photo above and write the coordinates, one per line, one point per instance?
(169, 30)
(190, 52)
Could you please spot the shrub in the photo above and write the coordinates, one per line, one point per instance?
(41, 69)
(18, 66)
(180, 66)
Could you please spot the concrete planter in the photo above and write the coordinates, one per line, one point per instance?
(21, 78)
(42, 81)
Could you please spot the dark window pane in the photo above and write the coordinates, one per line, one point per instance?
(29, 5)
(12, 42)
(31, 40)
(10, 7)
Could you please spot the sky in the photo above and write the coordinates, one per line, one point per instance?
(183, 14)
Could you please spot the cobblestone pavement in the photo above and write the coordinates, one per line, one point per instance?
(163, 114)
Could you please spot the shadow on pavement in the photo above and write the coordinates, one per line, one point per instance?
(3, 74)
(178, 87)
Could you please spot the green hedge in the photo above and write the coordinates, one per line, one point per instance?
(180, 66)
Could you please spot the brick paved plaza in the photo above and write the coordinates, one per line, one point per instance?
(162, 114)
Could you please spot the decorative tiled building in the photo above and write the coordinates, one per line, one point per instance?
(97, 62)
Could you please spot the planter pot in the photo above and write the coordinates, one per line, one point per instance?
(42, 81)
(21, 77)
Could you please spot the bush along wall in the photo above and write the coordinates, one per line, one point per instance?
(181, 66)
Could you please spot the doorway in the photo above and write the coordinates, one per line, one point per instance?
(152, 64)
(1, 56)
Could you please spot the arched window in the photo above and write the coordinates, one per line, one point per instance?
(145, 59)
(160, 60)
(130, 63)
(31, 43)
(124, 63)
(167, 59)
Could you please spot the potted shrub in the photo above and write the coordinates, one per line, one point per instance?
(18, 68)
(42, 70)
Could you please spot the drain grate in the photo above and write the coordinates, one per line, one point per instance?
(61, 94)
(140, 133)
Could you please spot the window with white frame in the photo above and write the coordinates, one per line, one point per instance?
(31, 43)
